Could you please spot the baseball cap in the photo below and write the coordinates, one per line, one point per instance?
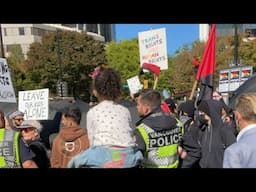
(30, 124)
(15, 114)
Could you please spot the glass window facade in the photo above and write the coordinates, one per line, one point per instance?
(92, 28)
(228, 29)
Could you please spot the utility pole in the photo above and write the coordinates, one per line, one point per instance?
(59, 55)
(59, 82)
(62, 87)
(236, 46)
(1, 41)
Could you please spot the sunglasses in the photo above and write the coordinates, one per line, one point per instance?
(27, 129)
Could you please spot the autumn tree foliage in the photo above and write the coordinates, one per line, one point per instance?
(70, 56)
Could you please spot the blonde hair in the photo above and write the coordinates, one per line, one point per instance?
(246, 106)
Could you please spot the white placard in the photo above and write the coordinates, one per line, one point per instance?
(224, 80)
(152, 46)
(7, 93)
(234, 79)
(34, 104)
(246, 73)
(134, 84)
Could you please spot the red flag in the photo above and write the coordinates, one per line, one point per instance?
(206, 67)
(153, 68)
(196, 62)
(165, 108)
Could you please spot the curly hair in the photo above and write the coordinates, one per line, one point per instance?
(108, 84)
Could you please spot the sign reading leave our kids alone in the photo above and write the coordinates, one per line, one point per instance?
(34, 104)
(152, 46)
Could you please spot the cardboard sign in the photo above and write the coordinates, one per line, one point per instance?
(7, 93)
(152, 46)
(134, 84)
(34, 104)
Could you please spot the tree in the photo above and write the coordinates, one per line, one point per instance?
(72, 53)
(16, 64)
(124, 57)
(247, 52)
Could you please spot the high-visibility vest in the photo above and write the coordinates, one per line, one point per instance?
(180, 124)
(9, 149)
(161, 147)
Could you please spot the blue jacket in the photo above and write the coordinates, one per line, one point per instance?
(242, 154)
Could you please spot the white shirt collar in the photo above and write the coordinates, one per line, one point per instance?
(247, 128)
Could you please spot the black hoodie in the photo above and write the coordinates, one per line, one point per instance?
(216, 138)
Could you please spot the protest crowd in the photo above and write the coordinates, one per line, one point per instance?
(148, 131)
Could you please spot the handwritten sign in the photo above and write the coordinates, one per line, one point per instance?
(7, 93)
(134, 84)
(34, 104)
(152, 46)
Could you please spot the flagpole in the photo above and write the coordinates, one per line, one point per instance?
(193, 90)
(155, 82)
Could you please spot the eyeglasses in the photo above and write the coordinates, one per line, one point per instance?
(19, 119)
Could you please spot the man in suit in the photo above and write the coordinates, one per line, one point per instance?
(242, 154)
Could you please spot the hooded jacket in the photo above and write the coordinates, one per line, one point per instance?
(213, 139)
(69, 142)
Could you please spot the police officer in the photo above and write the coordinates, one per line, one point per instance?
(14, 153)
(157, 133)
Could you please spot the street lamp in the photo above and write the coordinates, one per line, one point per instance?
(59, 55)
(235, 46)
(62, 88)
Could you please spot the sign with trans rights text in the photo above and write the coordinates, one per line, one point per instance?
(7, 93)
(34, 104)
(152, 46)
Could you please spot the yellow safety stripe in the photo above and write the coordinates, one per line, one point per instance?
(180, 124)
(2, 161)
(168, 150)
(16, 147)
(144, 135)
(1, 134)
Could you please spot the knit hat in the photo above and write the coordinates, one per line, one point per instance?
(187, 107)
(15, 114)
(204, 107)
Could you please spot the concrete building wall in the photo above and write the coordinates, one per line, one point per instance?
(203, 32)
(26, 34)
